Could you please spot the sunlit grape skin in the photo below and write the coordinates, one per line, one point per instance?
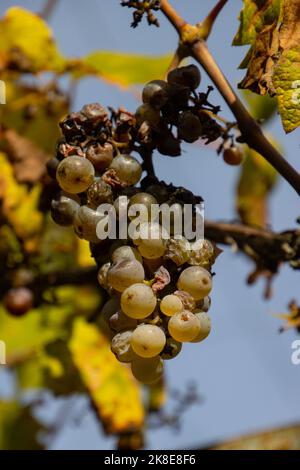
(127, 168)
(124, 274)
(184, 326)
(196, 281)
(205, 327)
(121, 347)
(138, 301)
(147, 371)
(85, 223)
(75, 174)
(148, 340)
(170, 305)
(125, 252)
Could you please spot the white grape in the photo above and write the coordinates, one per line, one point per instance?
(204, 304)
(205, 327)
(147, 371)
(127, 168)
(126, 252)
(149, 239)
(124, 274)
(170, 305)
(75, 174)
(148, 340)
(119, 322)
(196, 281)
(121, 347)
(85, 223)
(184, 326)
(138, 301)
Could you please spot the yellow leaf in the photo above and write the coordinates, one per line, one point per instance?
(120, 68)
(256, 181)
(27, 42)
(84, 257)
(113, 390)
(20, 205)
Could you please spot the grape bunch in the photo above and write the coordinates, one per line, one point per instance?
(157, 288)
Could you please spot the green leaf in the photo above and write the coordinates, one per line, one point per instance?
(262, 108)
(27, 43)
(272, 28)
(120, 68)
(19, 430)
(256, 181)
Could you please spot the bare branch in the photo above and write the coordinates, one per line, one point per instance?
(208, 23)
(48, 9)
(192, 38)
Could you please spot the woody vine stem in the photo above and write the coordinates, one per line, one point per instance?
(192, 42)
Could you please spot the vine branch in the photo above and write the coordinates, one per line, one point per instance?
(193, 39)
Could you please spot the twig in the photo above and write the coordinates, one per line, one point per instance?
(48, 9)
(209, 21)
(192, 38)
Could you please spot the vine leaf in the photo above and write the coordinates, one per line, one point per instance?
(27, 43)
(121, 68)
(19, 204)
(114, 392)
(256, 181)
(272, 28)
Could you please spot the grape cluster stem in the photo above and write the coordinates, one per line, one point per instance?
(193, 38)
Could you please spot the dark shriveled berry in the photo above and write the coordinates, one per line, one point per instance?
(99, 193)
(18, 301)
(188, 76)
(52, 166)
(100, 156)
(189, 127)
(155, 93)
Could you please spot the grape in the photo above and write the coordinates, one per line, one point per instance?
(204, 304)
(127, 168)
(187, 300)
(75, 174)
(102, 275)
(121, 205)
(189, 127)
(144, 199)
(138, 301)
(100, 156)
(124, 274)
(18, 301)
(150, 242)
(148, 340)
(188, 76)
(126, 252)
(170, 305)
(99, 193)
(196, 281)
(147, 113)
(121, 346)
(52, 165)
(203, 255)
(205, 327)
(85, 223)
(155, 93)
(172, 349)
(119, 322)
(184, 326)
(168, 144)
(233, 156)
(147, 371)
(94, 111)
(178, 250)
(64, 209)
(110, 308)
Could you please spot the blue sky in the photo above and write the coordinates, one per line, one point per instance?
(243, 371)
